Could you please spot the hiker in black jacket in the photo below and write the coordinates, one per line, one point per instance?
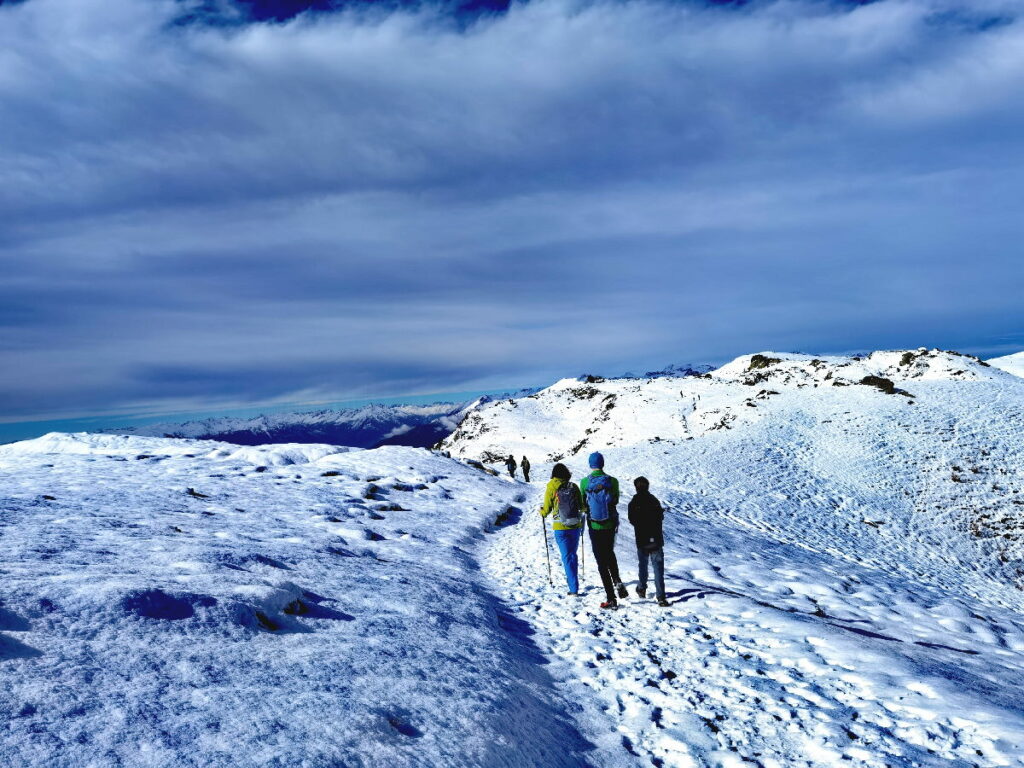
(525, 464)
(646, 516)
(510, 462)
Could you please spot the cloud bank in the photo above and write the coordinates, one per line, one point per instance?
(406, 200)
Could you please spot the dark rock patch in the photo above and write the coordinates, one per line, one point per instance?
(762, 361)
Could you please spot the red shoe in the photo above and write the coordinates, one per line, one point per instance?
(610, 605)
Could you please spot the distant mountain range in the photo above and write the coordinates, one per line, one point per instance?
(371, 426)
(678, 371)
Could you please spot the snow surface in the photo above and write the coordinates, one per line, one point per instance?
(180, 603)
(1011, 363)
(844, 564)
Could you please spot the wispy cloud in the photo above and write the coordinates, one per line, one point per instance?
(411, 200)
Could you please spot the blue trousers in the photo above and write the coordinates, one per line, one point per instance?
(568, 543)
(658, 563)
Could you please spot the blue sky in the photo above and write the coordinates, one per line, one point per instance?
(212, 205)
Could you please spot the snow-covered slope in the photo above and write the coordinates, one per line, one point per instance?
(843, 557)
(419, 426)
(186, 603)
(916, 468)
(1010, 363)
(843, 551)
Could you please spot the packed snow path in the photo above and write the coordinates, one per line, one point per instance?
(770, 655)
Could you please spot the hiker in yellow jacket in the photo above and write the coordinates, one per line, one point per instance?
(562, 500)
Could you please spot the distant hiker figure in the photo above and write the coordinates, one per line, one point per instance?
(510, 462)
(600, 499)
(563, 498)
(646, 516)
(525, 464)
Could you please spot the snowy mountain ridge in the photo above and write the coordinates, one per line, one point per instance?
(681, 370)
(898, 455)
(653, 413)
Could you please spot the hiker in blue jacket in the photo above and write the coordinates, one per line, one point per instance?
(600, 501)
(646, 516)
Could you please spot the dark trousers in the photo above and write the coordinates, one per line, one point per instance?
(603, 545)
(526, 474)
(657, 558)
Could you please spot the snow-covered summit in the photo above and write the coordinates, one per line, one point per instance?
(789, 369)
(574, 413)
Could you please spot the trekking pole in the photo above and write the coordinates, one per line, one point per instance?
(583, 553)
(547, 554)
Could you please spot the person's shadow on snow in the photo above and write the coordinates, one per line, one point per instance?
(9, 647)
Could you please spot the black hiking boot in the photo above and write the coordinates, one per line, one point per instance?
(641, 592)
(622, 590)
(609, 605)
(663, 602)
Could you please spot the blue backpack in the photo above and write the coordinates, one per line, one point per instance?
(599, 498)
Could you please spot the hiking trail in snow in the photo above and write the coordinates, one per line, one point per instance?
(769, 655)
